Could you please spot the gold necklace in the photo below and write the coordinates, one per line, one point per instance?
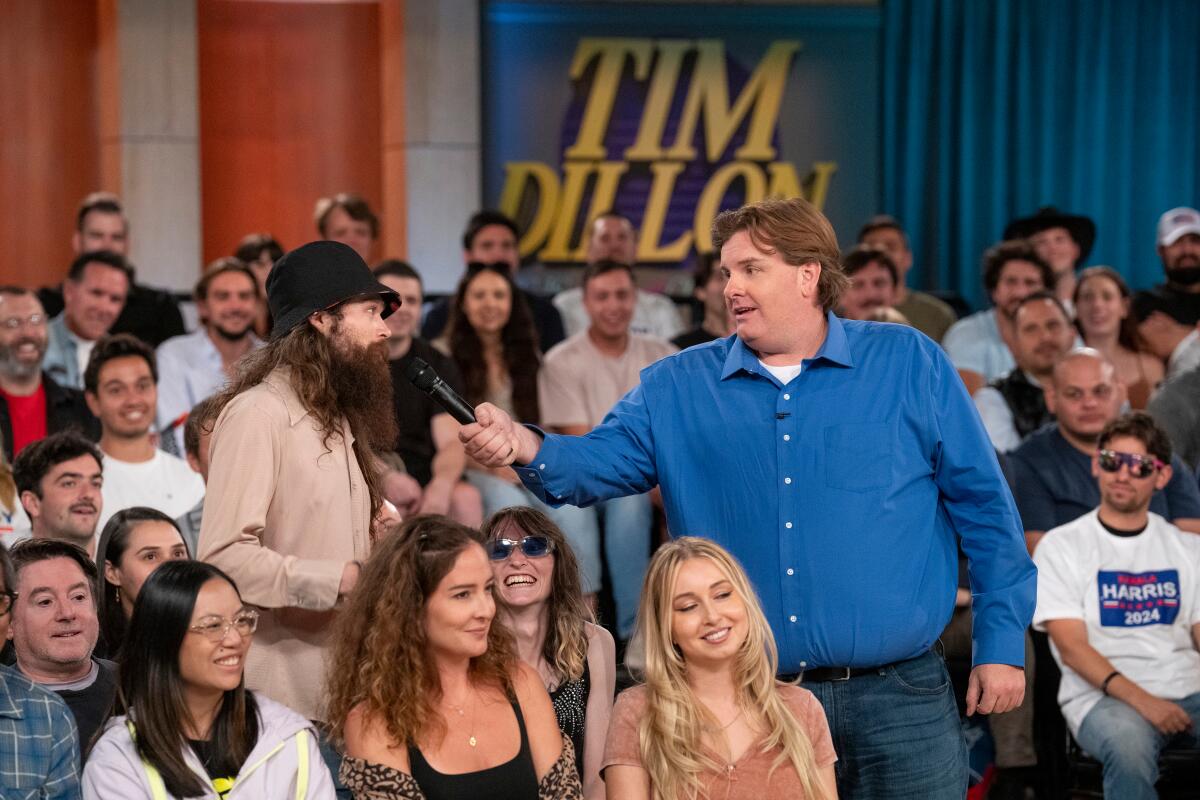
(462, 713)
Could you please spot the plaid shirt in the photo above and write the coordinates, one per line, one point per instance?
(39, 749)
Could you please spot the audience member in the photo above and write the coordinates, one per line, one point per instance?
(1061, 240)
(428, 443)
(32, 404)
(491, 339)
(54, 630)
(1105, 321)
(612, 237)
(541, 602)
(1117, 593)
(1176, 408)
(708, 288)
(59, 482)
(150, 314)
(14, 522)
(260, 251)
(121, 390)
(491, 238)
(197, 435)
(293, 476)
(978, 345)
(196, 365)
(926, 313)
(1169, 337)
(188, 726)
(873, 282)
(711, 719)
(1013, 407)
(1179, 248)
(579, 383)
(135, 542)
(426, 687)
(39, 745)
(1051, 470)
(93, 295)
(348, 218)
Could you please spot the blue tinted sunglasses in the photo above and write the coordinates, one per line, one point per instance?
(531, 546)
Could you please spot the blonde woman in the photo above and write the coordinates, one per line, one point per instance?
(711, 721)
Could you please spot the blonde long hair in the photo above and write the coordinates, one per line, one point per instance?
(670, 733)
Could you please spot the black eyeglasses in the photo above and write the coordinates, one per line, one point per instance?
(1139, 466)
(531, 546)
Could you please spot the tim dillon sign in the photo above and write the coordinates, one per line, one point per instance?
(670, 114)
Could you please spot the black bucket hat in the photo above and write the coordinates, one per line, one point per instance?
(318, 276)
(1082, 229)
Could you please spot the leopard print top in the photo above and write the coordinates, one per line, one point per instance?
(367, 781)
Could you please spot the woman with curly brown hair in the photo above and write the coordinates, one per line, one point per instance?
(425, 688)
(537, 579)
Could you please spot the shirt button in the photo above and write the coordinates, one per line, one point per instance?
(792, 618)
(791, 571)
(787, 480)
(787, 524)
(787, 397)
(541, 466)
(787, 437)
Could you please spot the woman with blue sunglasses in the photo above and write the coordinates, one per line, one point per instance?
(538, 583)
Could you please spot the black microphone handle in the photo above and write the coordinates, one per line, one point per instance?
(448, 399)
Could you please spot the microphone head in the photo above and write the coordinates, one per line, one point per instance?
(421, 374)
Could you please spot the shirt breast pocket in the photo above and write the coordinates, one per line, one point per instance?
(855, 456)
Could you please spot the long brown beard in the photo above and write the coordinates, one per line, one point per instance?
(361, 381)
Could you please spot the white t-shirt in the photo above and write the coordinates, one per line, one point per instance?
(83, 354)
(1139, 598)
(165, 482)
(783, 374)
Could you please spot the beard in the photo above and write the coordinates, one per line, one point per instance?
(362, 383)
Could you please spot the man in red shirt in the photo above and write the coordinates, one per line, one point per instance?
(32, 405)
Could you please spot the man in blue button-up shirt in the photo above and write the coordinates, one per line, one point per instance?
(841, 462)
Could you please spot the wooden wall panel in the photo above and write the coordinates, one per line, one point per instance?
(49, 141)
(289, 112)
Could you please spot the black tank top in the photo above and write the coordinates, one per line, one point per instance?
(570, 709)
(513, 780)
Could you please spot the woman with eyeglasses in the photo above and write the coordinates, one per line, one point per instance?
(189, 728)
(1104, 316)
(537, 579)
(135, 542)
(711, 721)
(425, 687)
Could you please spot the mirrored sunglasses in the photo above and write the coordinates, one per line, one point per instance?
(1139, 466)
(531, 546)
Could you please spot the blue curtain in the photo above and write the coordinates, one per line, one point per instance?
(993, 108)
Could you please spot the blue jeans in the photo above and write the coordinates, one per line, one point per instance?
(1128, 745)
(333, 760)
(896, 733)
(579, 525)
(627, 522)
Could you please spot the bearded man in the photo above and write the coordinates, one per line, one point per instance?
(293, 485)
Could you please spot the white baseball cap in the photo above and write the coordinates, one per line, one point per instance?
(1176, 223)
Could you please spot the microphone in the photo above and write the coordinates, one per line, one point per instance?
(428, 381)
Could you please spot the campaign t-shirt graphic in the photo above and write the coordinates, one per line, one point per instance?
(1132, 599)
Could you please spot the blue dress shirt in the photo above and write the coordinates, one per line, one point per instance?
(842, 493)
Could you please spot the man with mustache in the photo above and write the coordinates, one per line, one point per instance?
(121, 389)
(1179, 248)
(59, 481)
(197, 365)
(32, 404)
(294, 483)
(1014, 406)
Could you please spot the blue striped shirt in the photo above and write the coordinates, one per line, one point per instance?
(843, 493)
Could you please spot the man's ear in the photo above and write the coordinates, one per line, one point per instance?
(809, 278)
(92, 404)
(1163, 477)
(322, 321)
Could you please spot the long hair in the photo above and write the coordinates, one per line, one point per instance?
(8, 484)
(518, 341)
(307, 355)
(114, 541)
(566, 645)
(380, 653)
(1127, 334)
(670, 732)
(151, 689)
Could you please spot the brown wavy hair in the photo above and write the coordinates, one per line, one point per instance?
(308, 355)
(1127, 334)
(380, 659)
(566, 645)
(518, 341)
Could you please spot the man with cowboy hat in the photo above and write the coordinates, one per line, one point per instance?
(1061, 240)
(294, 486)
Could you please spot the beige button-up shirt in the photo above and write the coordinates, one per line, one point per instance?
(283, 515)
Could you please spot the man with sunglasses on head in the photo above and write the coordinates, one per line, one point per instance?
(1119, 596)
(1051, 470)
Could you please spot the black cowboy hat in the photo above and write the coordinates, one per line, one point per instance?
(1082, 229)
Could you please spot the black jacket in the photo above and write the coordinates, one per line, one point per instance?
(65, 410)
